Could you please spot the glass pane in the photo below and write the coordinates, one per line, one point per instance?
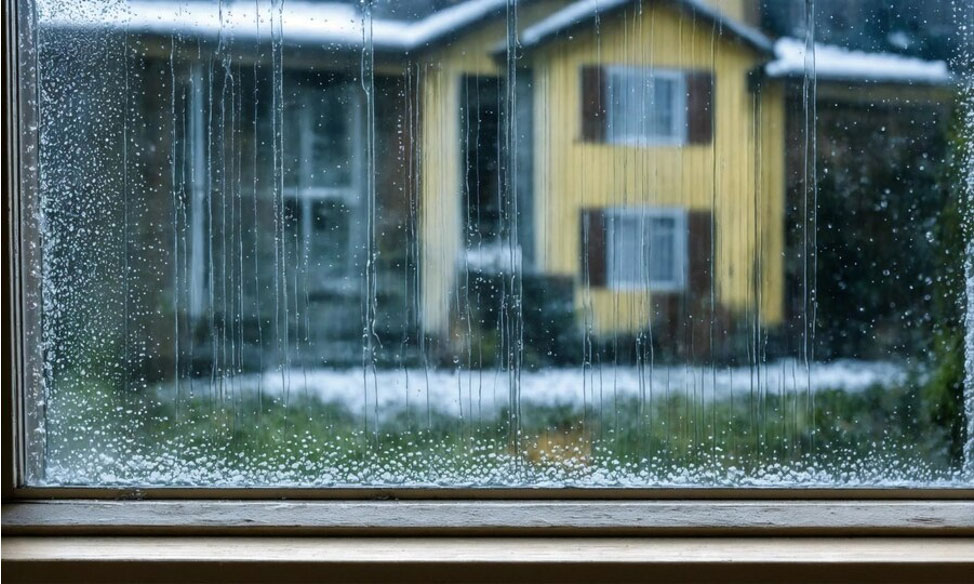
(454, 243)
(320, 129)
(646, 105)
(645, 249)
(660, 254)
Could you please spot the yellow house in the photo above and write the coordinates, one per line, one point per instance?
(649, 164)
(629, 156)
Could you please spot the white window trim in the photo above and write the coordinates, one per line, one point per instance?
(199, 286)
(645, 214)
(679, 112)
(350, 193)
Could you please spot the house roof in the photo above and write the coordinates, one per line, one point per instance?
(335, 26)
(328, 24)
(585, 12)
(832, 63)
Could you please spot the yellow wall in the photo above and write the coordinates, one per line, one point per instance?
(440, 73)
(744, 190)
(740, 176)
(740, 10)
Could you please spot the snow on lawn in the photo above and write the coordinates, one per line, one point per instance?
(476, 392)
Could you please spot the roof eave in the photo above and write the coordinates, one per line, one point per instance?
(752, 38)
(853, 80)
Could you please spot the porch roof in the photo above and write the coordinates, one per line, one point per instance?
(328, 25)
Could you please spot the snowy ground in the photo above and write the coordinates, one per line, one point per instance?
(475, 392)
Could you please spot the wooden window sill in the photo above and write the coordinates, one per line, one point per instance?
(295, 559)
(909, 518)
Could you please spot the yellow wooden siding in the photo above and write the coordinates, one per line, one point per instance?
(770, 199)
(440, 219)
(440, 74)
(726, 176)
(740, 10)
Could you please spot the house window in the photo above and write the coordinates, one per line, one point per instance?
(647, 249)
(320, 139)
(322, 175)
(198, 207)
(480, 142)
(646, 106)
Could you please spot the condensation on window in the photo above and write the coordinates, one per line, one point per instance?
(452, 243)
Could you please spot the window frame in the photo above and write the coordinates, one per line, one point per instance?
(678, 113)
(350, 192)
(306, 196)
(418, 512)
(645, 215)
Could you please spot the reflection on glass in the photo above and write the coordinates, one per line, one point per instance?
(487, 242)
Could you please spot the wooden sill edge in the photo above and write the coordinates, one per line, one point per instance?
(708, 550)
(494, 518)
(488, 560)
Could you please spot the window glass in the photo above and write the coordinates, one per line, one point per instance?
(479, 243)
(322, 135)
(647, 249)
(646, 106)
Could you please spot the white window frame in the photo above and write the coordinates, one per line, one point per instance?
(627, 135)
(614, 218)
(349, 193)
(199, 285)
(306, 195)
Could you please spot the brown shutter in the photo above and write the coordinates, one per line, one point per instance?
(698, 311)
(699, 256)
(594, 102)
(700, 107)
(593, 246)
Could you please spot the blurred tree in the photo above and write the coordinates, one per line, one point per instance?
(944, 392)
(879, 199)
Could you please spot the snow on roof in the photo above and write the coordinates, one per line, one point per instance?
(330, 23)
(449, 20)
(584, 10)
(840, 64)
(571, 15)
(297, 22)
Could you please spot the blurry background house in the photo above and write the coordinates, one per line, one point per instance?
(316, 187)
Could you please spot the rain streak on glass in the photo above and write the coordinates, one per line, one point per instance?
(636, 243)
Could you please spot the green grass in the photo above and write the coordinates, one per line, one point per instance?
(878, 436)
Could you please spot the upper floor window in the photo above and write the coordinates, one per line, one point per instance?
(646, 106)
